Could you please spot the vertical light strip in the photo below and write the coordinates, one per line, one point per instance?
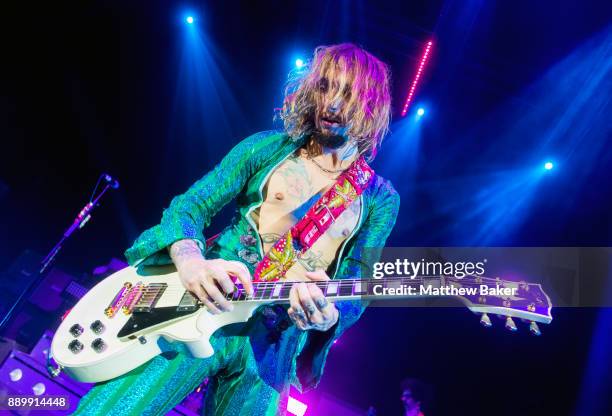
(415, 81)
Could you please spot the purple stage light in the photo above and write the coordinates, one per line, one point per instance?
(296, 407)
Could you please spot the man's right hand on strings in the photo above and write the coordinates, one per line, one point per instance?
(210, 280)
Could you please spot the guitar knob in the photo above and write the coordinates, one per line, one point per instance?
(16, 374)
(76, 330)
(534, 329)
(510, 325)
(98, 345)
(39, 389)
(97, 327)
(485, 321)
(75, 346)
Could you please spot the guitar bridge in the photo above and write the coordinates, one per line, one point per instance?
(118, 301)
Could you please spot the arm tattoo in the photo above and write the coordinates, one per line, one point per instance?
(184, 249)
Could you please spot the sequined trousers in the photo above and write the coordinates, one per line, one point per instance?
(249, 374)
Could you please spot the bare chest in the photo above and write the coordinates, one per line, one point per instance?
(291, 190)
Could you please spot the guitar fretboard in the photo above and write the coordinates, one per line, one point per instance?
(344, 288)
(333, 289)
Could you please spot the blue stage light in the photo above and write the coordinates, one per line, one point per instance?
(299, 63)
(420, 112)
(548, 165)
(189, 19)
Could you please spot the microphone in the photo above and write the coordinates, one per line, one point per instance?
(114, 183)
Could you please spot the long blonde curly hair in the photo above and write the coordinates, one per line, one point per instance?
(348, 73)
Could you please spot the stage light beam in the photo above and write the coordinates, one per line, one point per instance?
(190, 20)
(420, 112)
(299, 63)
(548, 165)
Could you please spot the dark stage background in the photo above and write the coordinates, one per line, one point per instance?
(127, 88)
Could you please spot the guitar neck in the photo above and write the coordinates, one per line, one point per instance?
(479, 293)
(344, 289)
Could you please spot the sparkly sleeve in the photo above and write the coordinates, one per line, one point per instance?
(191, 212)
(373, 234)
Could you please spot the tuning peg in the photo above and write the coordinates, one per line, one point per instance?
(485, 321)
(534, 329)
(510, 325)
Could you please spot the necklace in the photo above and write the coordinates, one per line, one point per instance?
(332, 171)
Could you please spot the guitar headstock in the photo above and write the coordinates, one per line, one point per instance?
(508, 299)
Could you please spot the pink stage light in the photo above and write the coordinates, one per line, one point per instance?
(295, 407)
(415, 81)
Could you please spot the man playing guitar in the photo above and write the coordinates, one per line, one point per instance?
(335, 115)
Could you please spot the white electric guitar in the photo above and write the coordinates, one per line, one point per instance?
(114, 328)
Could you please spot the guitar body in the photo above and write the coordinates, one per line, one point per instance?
(101, 351)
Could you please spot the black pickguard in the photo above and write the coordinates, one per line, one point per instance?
(142, 320)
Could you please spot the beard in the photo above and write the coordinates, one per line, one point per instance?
(332, 140)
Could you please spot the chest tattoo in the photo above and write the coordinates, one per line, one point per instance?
(295, 180)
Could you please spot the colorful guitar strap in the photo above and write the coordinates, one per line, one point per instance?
(317, 220)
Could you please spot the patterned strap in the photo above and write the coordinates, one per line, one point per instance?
(284, 253)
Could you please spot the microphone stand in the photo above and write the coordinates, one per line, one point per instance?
(79, 222)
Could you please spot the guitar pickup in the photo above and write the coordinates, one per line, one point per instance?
(188, 303)
(149, 297)
(132, 298)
